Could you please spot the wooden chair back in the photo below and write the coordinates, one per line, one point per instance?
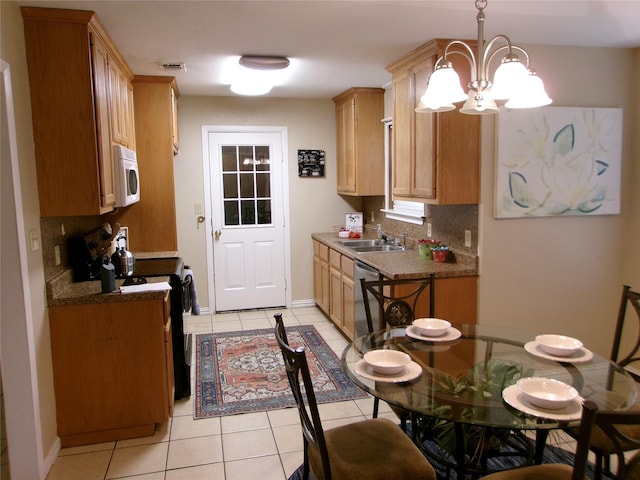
(632, 298)
(398, 309)
(297, 369)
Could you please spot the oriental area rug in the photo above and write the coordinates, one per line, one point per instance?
(243, 372)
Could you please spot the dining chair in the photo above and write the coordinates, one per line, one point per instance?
(396, 300)
(369, 449)
(601, 445)
(610, 422)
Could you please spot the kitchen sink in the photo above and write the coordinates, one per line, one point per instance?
(379, 248)
(374, 245)
(363, 243)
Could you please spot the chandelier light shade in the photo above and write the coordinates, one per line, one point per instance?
(514, 82)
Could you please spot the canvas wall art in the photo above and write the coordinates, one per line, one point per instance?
(555, 161)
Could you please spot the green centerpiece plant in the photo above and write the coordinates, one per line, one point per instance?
(483, 383)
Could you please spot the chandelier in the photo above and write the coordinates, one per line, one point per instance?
(513, 81)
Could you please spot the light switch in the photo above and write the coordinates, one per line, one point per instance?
(56, 252)
(34, 239)
(198, 208)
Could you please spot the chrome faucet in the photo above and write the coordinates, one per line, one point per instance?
(403, 242)
(383, 236)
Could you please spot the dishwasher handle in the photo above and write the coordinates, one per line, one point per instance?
(368, 271)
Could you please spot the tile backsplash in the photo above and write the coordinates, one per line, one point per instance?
(58, 231)
(448, 224)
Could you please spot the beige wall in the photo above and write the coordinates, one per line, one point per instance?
(565, 274)
(12, 50)
(314, 204)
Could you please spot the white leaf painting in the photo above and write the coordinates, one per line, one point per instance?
(558, 161)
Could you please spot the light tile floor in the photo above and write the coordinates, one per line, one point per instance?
(264, 445)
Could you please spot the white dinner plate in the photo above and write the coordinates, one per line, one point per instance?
(581, 356)
(513, 397)
(451, 334)
(411, 372)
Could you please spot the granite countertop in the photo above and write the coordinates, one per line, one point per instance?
(404, 264)
(62, 290)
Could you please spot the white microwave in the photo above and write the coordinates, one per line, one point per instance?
(127, 178)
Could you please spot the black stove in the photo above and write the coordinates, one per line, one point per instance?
(173, 267)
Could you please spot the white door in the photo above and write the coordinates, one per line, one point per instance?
(247, 230)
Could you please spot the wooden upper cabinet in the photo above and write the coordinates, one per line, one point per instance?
(436, 156)
(121, 106)
(360, 141)
(76, 108)
(152, 220)
(174, 114)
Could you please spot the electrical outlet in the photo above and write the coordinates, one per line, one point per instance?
(56, 251)
(467, 238)
(372, 218)
(429, 229)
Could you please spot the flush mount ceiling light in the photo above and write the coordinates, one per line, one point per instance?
(263, 62)
(513, 81)
(258, 74)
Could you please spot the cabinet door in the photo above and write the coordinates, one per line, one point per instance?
(168, 352)
(100, 61)
(115, 103)
(129, 118)
(348, 307)
(335, 285)
(456, 299)
(174, 123)
(317, 281)
(326, 287)
(402, 132)
(424, 164)
(121, 106)
(346, 162)
(110, 369)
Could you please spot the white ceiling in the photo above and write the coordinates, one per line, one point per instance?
(334, 45)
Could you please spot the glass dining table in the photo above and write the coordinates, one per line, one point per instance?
(461, 388)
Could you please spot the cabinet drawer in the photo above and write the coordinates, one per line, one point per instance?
(323, 252)
(347, 266)
(334, 259)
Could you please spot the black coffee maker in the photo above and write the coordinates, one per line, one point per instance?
(87, 252)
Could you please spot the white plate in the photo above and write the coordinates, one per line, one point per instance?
(411, 372)
(581, 356)
(451, 334)
(513, 397)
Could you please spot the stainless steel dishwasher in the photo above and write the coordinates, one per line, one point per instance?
(362, 270)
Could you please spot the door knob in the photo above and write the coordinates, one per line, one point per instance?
(217, 234)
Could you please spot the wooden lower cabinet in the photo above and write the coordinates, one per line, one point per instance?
(112, 369)
(333, 287)
(347, 284)
(321, 275)
(456, 299)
